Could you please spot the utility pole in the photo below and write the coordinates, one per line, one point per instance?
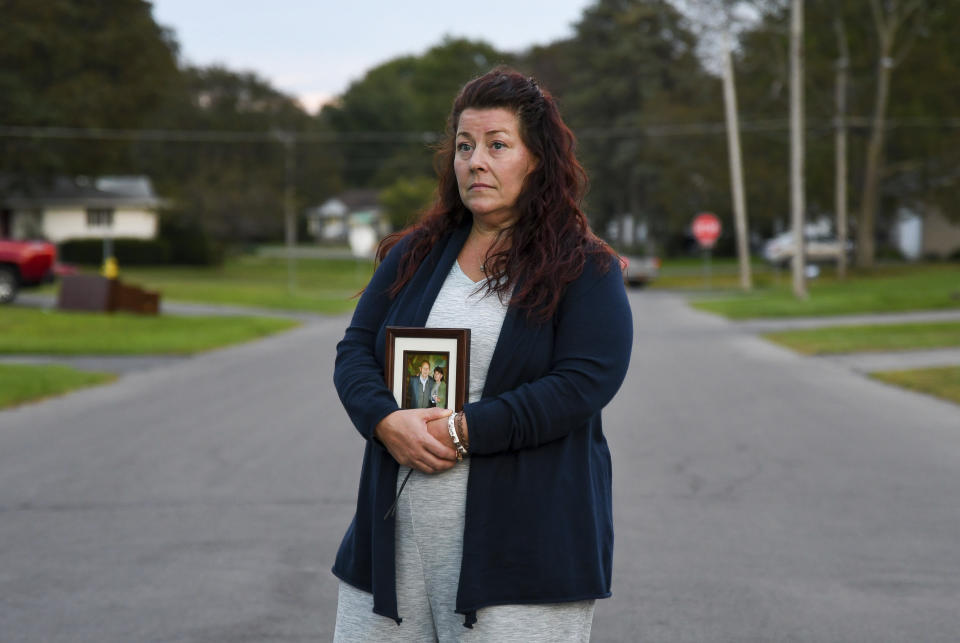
(840, 142)
(290, 220)
(797, 203)
(736, 165)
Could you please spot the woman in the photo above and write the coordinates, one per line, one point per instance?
(515, 541)
(439, 395)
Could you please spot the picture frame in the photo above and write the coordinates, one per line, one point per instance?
(443, 354)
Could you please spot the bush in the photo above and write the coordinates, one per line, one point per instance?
(190, 244)
(888, 253)
(128, 252)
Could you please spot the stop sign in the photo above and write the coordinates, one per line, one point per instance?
(706, 229)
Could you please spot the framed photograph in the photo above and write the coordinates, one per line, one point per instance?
(428, 367)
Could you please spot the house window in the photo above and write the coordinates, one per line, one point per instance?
(99, 217)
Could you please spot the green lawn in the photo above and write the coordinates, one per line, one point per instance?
(892, 288)
(20, 383)
(321, 285)
(943, 382)
(689, 273)
(27, 330)
(883, 337)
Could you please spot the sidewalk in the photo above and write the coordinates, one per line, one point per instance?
(897, 361)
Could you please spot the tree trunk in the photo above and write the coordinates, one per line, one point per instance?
(866, 246)
(887, 23)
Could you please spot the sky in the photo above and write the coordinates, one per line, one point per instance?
(314, 49)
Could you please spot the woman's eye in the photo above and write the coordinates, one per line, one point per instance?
(463, 147)
(497, 145)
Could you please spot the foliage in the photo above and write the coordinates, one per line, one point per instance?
(405, 199)
(232, 187)
(69, 63)
(634, 81)
(22, 383)
(382, 118)
(27, 330)
(128, 252)
(632, 73)
(920, 150)
(188, 242)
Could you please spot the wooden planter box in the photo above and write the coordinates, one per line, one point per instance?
(96, 293)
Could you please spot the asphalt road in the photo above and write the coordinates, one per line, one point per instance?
(760, 496)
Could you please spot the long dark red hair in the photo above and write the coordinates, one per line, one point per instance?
(550, 240)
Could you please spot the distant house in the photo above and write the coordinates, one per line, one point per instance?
(333, 219)
(108, 206)
(927, 235)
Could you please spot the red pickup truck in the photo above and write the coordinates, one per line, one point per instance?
(25, 263)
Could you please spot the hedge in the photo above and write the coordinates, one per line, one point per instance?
(128, 252)
(178, 243)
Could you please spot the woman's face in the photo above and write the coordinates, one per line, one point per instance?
(437, 375)
(491, 163)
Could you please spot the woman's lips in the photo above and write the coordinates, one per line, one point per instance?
(480, 185)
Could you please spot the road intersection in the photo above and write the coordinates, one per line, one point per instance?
(759, 496)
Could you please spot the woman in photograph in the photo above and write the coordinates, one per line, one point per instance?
(439, 395)
(513, 542)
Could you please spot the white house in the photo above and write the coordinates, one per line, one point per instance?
(334, 219)
(108, 206)
(928, 234)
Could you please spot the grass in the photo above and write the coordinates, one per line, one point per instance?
(885, 337)
(892, 288)
(942, 382)
(27, 330)
(321, 285)
(21, 383)
(689, 273)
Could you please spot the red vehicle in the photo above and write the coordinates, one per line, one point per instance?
(23, 264)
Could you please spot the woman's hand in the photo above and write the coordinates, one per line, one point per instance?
(418, 438)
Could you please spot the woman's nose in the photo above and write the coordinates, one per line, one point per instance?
(478, 160)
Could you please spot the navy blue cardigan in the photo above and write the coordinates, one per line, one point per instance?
(539, 523)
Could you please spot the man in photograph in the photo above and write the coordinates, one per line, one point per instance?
(421, 386)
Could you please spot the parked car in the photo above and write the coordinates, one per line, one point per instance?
(639, 271)
(24, 264)
(820, 245)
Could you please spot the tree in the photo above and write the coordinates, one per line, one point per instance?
(406, 198)
(388, 120)
(68, 63)
(891, 17)
(910, 139)
(631, 76)
(233, 178)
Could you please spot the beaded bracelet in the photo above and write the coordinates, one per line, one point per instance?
(452, 430)
(458, 427)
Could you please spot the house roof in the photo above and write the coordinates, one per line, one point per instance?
(365, 199)
(101, 192)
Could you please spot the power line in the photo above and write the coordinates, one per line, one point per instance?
(210, 136)
(429, 138)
